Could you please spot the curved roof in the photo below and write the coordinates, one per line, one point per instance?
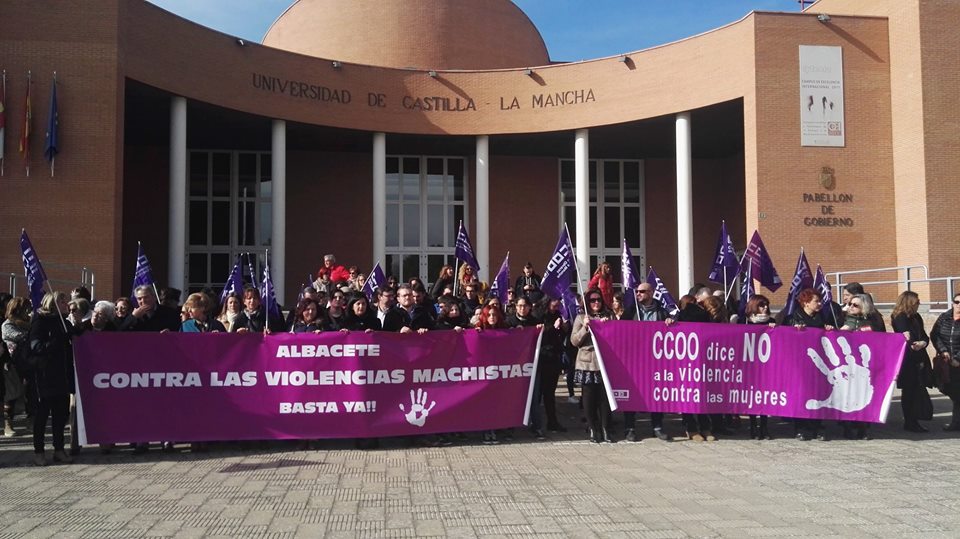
(423, 34)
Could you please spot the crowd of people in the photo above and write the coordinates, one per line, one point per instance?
(38, 361)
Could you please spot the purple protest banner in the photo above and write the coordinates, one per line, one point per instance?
(140, 387)
(742, 369)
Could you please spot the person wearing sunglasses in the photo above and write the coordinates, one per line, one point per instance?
(587, 373)
(945, 337)
(861, 315)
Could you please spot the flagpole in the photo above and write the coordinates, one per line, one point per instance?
(29, 116)
(266, 311)
(3, 92)
(62, 321)
(53, 158)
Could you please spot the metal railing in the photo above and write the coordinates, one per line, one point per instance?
(907, 278)
(58, 277)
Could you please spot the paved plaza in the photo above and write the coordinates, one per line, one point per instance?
(896, 485)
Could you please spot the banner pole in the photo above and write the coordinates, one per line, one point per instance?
(62, 321)
(603, 370)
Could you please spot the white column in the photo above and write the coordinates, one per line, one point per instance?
(380, 200)
(483, 206)
(581, 154)
(278, 174)
(684, 205)
(176, 231)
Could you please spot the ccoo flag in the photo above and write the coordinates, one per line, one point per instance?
(725, 267)
(269, 295)
(629, 277)
(661, 294)
(802, 278)
(374, 281)
(821, 285)
(143, 274)
(33, 270)
(759, 259)
(234, 284)
(746, 290)
(561, 269)
(464, 251)
(501, 283)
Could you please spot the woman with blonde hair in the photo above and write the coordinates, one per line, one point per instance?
(915, 370)
(197, 307)
(52, 375)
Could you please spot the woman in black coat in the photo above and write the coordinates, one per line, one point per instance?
(945, 337)
(51, 358)
(915, 371)
(807, 315)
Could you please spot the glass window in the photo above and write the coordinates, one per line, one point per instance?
(198, 267)
(220, 267)
(456, 178)
(631, 224)
(393, 165)
(393, 225)
(220, 223)
(435, 225)
(411, 225)
(266, 224)
(246, 219)
(247, 173)
(631, 182)
(392, 266)
(221, 174)
(393, 187)
(611, 227)
(411, 267)
(592, 168)
(611, 181)
(455, 214)
(435, 187)
(198, 222)
(198, 174)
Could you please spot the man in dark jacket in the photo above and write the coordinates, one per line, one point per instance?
(646, 310)
(406, 316)
(149, 315)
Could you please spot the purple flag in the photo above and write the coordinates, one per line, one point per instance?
(253, 274)
(629, 277)
(757, 256)
(746, 290)
(802, 278)
(143, 274)
(725, 267)
(820, 284)
(569, 306)
(661, 294)
(501, 283)
(234, 283)
(33, 270)
(269, 296)
(375, 280)
(561, 269)
(464, 251)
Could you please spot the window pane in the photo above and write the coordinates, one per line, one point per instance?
(266, 188)
(392, 266)
(435, 166)
(631, 226)
(593, 227)
(631, 181)
(246, 219)
(592, 167)
(567, 171)
(198, 174)
(247, 173)
(611, 181)
(570, 218)
(220, 223)
(393, 225)
(221, 175)
(411, 165)
(198, 222)
(411, 266)
(393, 165)
(435, 187)
(266, 224)
(611, 227)
(265, 163)
(411, 225)
(393, 187)
(219, 268)
(455, 173)
(198, 268)
(435, 225)
(567, 183)
(411, 187)
(454, 216)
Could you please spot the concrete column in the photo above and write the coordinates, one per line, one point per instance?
(177, 223)
(380, 199)
(581, 154)
(483, 206)
(684, 205)
(278, 174)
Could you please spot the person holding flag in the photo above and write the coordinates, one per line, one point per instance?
(588, 374)
(756, 311)
(465, 253)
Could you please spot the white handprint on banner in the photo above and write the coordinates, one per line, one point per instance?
(418, 413)
(852, 388)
